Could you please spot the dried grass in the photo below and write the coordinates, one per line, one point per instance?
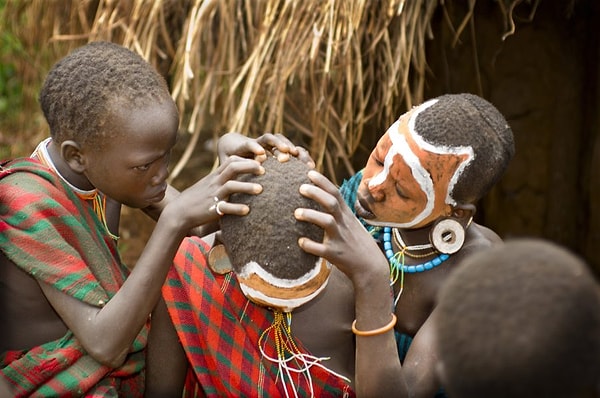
(321, 72)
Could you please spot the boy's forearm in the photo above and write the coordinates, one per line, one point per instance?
(128, 310)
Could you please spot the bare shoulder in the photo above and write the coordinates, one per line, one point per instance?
(27, 317)
(323, 324)
(479, 237)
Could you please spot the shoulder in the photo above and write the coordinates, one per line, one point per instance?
(478, 238)
(26, 169)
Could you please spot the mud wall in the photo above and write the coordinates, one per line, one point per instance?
(543, 78)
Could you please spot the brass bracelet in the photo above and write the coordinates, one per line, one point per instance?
(375, 332)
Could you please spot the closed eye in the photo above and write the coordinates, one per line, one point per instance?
(400, 192)
(143, 167)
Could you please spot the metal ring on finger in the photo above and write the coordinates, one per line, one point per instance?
(214, 206)
(217, 209)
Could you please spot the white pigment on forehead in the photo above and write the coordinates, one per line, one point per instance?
(422, 176)
(400, 147)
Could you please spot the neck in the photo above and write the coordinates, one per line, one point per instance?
(418, 236)
(77, 180)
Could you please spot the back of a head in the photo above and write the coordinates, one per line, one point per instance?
(520, 320)
(467, 120)
(263, 245)
(83, 88)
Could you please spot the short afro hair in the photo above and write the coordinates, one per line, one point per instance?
(268, 237)
(83, 88)
(519, 320)
(456, 120)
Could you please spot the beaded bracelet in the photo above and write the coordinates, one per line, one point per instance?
(375, 332)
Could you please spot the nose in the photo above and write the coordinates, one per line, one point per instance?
(161, 176)
(376, 191)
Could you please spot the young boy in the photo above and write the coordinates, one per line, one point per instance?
(520, 320)
(417, 196)
(75, 319)
(277, 320)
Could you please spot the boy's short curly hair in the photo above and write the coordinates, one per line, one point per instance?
(519, 320)
(83, 88)
(268, 237)
(457, 120)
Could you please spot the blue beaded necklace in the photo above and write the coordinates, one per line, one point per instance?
(397, 259)
(397, 266)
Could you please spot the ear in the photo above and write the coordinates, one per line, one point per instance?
(71, 153)
(464, 213)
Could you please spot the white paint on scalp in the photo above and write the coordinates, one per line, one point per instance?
(444, 150)
(286, 305)
(254, 268)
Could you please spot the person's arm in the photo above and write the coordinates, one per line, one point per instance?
(107, 333)
(5, 389)
(420, 363)
(351, 248)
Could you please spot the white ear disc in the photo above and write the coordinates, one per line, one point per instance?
(447, 236)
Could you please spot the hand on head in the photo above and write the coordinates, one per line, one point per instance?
(281, 147)
(196, 205)
(347, 244)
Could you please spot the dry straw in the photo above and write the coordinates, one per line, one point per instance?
(321, 72)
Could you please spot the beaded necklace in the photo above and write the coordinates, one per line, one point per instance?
(290, 360)
(396, 260)
(98, 200)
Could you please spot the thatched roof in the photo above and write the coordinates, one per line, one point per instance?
(322, 72)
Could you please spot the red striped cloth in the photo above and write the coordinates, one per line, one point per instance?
(220, 329)
(56, 237)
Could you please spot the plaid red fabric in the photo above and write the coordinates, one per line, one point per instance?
(220, 329)
(56, 237)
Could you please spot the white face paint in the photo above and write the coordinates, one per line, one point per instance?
(422, 176)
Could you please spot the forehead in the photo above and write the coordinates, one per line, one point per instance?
(147, 129)
(403, 145)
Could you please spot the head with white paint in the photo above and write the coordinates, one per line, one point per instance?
(263, 245)
(442, 155)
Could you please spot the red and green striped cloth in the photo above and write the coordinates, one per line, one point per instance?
(56, 237)
(220, 329)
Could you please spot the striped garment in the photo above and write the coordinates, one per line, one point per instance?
(220, 329)
(53, 235)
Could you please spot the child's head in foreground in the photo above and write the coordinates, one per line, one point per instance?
(113, 120)
(263, 245)
(520, 320)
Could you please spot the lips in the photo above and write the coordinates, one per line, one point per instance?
(362, 209)
(159, 196)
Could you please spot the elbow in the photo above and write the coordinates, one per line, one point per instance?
(108, 357)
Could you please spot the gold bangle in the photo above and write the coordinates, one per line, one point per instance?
(375, 332)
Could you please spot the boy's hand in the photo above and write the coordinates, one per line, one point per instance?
(257, 148)
(347, 244)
